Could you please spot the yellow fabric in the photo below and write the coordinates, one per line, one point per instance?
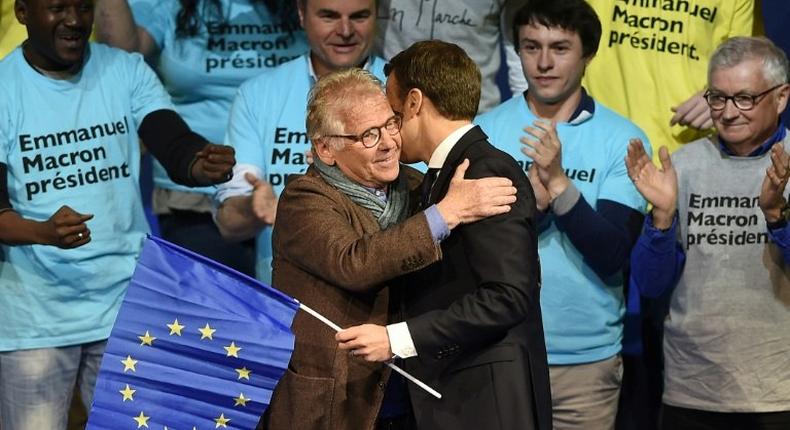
(11, 32)
(643, 84)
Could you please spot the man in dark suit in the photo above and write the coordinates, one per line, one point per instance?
(472, 326)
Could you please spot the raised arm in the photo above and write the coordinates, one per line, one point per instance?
(506, 285)
(657, 260)
(507, 282)
(360, 262)
(772, 201)
(188, 158)
(602, 231)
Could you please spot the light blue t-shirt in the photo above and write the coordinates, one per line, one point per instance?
(582, 313)
(73, 142)
(267, 130)
(202, 73)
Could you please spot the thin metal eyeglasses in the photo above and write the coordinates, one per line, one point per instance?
(372, 136)
(718, 101)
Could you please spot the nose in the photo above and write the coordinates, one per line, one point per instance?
(388, 141)
(72, 17)
(345, 28)
(545, 61)
(730, 111)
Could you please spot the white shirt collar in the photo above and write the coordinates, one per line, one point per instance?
(443, 150)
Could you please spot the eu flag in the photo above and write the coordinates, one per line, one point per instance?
(195, 346)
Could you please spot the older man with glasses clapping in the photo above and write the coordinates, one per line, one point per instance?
(718, 235)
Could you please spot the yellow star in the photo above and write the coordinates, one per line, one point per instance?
(222, 421)
(129, 364)
(175, 328)
(127, 393)
(244, 373)
(233, 350)
(142, 420)
(241, 400)
(206, 332)
(146, 339)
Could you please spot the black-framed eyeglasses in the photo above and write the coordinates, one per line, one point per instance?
(718, 101)
(372, 136)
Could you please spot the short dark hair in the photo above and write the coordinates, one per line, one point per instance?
(443, 72)
(571, 15)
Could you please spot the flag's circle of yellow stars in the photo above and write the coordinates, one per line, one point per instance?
(176, 328)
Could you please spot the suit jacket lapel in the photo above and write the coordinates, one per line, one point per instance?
(454, 158)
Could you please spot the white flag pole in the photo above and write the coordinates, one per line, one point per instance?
(405, 374)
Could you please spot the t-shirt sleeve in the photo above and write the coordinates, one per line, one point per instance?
(155, 16)
(5, 127)
(147, 93)
(245, 125)
(487, 123)
(617, 186)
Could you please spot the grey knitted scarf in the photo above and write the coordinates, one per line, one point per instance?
(387, 214)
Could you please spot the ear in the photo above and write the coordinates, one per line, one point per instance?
(781, 98)
(300, 10)
(587, 61)
(20, 10)
(322, 148)
(414, 102)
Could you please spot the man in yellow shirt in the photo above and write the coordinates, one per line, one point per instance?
(11, 32)
(652, 63)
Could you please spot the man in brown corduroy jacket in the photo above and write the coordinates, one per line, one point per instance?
(342, 232)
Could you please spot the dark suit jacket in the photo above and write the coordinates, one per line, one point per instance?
(331, 255)
(475, 315)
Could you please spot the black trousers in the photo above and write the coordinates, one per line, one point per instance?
(674, 418)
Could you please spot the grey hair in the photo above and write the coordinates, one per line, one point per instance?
(736, 50)
(333, 96)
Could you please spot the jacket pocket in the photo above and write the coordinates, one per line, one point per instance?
(493, 354)
(302, 402)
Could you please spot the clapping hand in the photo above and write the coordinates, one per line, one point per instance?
(543, 146)
(771, 199)
(657, 186)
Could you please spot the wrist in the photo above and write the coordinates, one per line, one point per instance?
(776, 214)
(772, 215)
(558, 186)
(194, 172)
(662, 219)
(42, 233)
(448, 215)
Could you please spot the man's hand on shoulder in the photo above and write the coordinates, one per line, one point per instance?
(367, 341)
(213, 164)
(470, 200)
